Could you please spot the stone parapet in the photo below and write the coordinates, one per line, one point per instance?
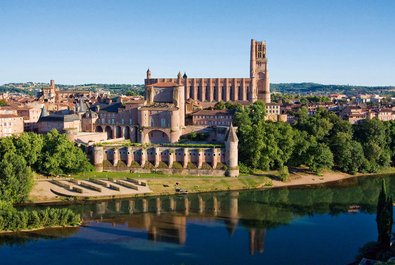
(194, 160)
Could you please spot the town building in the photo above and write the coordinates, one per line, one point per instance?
(212, 117)
(274, 113)
(52, 94)
(10, 123)
(30, 116)
(62, 121)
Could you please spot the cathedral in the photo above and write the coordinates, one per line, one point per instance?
(242, 90)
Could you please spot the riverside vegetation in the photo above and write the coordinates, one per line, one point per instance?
(381, 250)
(320, 141)
(20, 157)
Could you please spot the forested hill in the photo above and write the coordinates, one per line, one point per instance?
(313, 88)
(116, 89)
(138, 89)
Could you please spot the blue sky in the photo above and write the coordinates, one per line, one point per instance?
(86, 41)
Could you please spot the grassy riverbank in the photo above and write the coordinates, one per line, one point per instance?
(162, 184)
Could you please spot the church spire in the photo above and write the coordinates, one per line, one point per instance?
(148, 73)
(179, 78)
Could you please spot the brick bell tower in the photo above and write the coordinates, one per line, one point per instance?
(259, 73)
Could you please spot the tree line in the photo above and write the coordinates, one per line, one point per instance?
(20, 156)
(49, 154)
(309, 88)
(320, 141)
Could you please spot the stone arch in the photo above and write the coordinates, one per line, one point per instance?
(118, 132)
(158, 137)
(99, 129)
(109, 132)
(127, 132)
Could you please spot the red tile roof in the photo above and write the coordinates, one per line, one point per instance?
(164, 84)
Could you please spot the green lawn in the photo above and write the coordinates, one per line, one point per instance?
(165, 184)
(135, 175)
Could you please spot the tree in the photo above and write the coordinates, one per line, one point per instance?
(219, 105)
(372, 134)
(371, 131)
(29, 145)
(390, 133)
(16, 178)
(134, 92)
(250, 143)
(348, 154)
(60, 156)
(384, 218)
(318, 125)
(278, 145)
(319, 158)
(302, 144)
(257, 112)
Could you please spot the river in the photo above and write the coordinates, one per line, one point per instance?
(324, 224)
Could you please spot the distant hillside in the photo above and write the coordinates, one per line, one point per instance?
(129, 89)
(116, 89)
(313, 88)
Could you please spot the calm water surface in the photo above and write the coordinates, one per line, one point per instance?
(320, 225)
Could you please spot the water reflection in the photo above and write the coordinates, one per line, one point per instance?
(166, 218)
(20, 238)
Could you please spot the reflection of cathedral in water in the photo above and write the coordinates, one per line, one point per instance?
(165, 218)
(257, 240)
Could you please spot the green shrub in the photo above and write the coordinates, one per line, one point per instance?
(206, 166)
(121, 164)
(244, 169)
(34, 219)
(177, 165)
(134, 164)
(283, 173)
(107, 163)
(12, 219)
(162, 165)
(221, 166)
(191, 165)
(148, 165)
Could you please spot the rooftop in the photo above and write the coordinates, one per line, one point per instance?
(164, 84)
(60, 118)
(4, 116)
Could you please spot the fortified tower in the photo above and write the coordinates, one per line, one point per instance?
(231, 154)
(98, 158)
(259, 74)
(49, 93)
